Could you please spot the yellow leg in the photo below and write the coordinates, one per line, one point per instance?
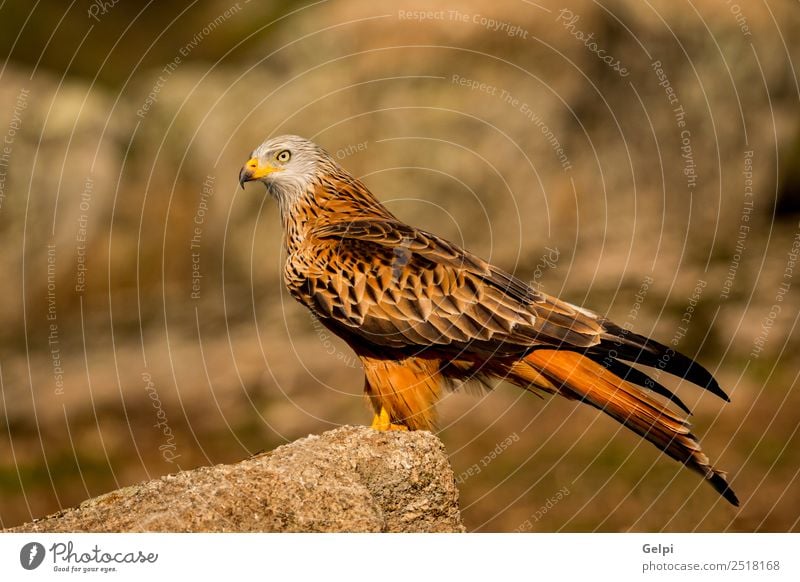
(381, 421)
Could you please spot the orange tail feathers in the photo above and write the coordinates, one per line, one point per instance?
(575, 376)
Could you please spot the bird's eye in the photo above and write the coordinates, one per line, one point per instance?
(283, 156)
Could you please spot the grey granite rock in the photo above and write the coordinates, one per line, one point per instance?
(352, 479)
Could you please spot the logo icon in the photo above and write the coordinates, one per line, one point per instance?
(31, 555)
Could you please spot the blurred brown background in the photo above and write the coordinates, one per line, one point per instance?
(641, 160)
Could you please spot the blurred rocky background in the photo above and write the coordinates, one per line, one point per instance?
(639, 159)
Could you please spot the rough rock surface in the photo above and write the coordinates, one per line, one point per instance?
(352, 479)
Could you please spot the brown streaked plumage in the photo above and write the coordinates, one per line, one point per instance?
(423, 314)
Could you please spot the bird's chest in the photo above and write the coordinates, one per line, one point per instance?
(297, 271)
(330, 280)
(306, 266)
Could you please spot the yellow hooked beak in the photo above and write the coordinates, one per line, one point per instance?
(253, 170)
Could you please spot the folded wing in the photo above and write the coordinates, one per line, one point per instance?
(400, 287)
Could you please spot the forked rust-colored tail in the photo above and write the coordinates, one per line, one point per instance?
(575, 376)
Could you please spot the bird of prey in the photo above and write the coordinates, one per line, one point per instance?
(423, 314)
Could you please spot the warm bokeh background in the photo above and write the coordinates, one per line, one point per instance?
(124, 129)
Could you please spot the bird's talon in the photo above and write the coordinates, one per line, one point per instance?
(382, 421)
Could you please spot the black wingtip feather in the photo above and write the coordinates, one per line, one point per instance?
(721, 485)
(638, 349)
(688, 369)
(638, 377)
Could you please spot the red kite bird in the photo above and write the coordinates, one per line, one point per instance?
(423, 314)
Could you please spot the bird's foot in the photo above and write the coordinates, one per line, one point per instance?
(382, 421)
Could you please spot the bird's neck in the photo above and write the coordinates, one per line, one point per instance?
(329, 201)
